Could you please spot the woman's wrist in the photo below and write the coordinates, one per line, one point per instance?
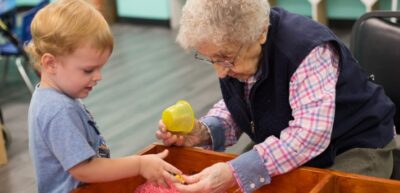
(204, 134)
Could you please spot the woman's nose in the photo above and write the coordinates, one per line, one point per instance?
(222, 72)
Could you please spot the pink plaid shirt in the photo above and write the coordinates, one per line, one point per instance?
(312, 99)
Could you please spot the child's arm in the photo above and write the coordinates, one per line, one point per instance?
(152, 167)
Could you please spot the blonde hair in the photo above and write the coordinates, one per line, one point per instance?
(222, 21)
(61, 27)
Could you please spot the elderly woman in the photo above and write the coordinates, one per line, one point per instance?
(289, 84)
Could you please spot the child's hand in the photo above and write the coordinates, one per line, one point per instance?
(198, 136)
(156, 170)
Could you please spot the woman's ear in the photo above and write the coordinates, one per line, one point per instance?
(48, 62)
(263, 36)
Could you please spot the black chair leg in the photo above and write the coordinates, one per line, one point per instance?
(23, 73)
(1, 117)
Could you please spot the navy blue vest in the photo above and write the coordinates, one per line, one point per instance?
(363, 115)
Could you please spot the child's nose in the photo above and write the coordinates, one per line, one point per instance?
(97, 76)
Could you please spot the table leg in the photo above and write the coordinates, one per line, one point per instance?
(3, 149)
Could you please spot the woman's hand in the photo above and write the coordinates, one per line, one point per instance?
(214, 179)
(198, 136)
(156, 170)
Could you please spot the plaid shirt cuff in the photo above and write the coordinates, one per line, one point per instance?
(217, 132)
(249, 171)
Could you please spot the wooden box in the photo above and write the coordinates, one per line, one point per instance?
(301, 180)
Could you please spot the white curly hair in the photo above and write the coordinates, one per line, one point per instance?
(222, 21)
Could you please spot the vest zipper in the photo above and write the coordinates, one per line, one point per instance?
(253, 129)
(252, 124)
(251, 96)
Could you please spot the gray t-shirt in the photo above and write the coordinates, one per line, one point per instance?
(62, 134)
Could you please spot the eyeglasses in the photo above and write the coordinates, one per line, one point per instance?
(223, 63)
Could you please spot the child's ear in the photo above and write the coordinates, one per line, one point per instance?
(49, 64)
